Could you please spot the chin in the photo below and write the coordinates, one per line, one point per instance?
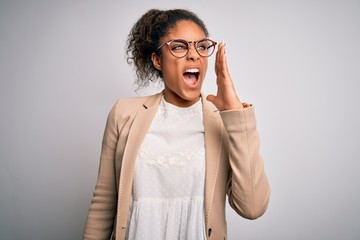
(192, 96)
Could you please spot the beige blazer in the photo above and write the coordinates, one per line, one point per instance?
(233, 167)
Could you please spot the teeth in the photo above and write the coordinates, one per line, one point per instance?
(192, 70)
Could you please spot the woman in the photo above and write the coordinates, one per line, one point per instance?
(168, 160)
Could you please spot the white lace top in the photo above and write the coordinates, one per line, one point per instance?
(168, 187)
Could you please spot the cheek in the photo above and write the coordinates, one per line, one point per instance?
(205, 68)
(171, 69)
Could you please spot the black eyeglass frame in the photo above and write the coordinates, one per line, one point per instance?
(188, 44)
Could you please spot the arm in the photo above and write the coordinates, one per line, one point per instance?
(248, 188)
(100, 219)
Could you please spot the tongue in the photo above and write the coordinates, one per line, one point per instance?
(190, 78)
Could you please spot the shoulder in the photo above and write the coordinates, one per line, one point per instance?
(128, 106)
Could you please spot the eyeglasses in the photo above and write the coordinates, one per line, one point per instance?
(180, 48)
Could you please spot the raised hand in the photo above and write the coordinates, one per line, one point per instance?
(226, 97)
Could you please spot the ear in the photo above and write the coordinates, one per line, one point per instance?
(156, 61)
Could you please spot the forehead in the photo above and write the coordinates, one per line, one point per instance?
(185, 29)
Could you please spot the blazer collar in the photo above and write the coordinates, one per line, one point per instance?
(153, 101)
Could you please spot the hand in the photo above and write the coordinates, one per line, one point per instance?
(226, 97)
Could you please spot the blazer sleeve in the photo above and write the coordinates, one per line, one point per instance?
(100, 219)
(248, 188)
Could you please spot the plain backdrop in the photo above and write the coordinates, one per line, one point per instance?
(63, 66)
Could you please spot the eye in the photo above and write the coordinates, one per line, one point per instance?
(203, 45)
(178, 46)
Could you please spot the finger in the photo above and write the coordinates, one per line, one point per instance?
(223, 56)
(221, 50)
(222, 68)
(211, 98)
(219, 58)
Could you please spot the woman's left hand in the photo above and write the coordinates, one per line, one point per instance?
(226, 97)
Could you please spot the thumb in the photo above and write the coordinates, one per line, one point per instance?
(210, 98)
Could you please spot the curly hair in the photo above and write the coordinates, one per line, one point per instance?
(144, 38)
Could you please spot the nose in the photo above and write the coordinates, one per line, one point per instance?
(192, 54)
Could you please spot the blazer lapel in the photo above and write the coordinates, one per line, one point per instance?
(213, 135)
(140, 125)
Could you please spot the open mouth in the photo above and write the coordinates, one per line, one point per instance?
(191, 76)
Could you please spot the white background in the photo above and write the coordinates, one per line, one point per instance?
(62, 67)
